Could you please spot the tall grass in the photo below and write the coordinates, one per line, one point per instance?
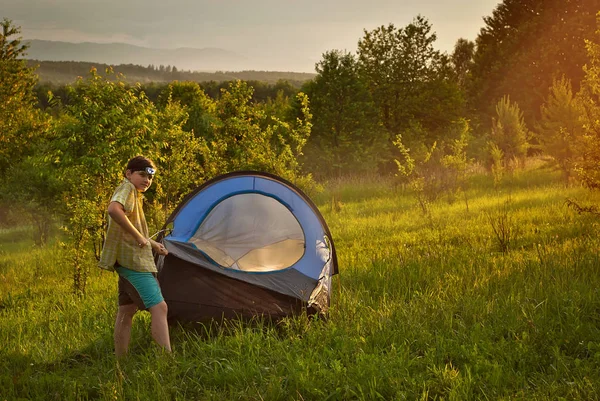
(425, 307)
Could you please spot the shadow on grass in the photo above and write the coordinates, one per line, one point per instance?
(296, 325)
(75, 376)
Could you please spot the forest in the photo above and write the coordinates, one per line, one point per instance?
(437, 129)
(66, 72)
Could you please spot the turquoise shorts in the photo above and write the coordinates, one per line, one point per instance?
(144, 283)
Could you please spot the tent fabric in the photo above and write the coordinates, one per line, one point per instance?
(217, 296)
(250, 232)
(288, 282)
(246, 244)
(195, 209)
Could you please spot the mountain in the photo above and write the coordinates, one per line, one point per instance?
(206, 59)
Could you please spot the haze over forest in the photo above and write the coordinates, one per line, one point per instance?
(207, 59)
(226, 35)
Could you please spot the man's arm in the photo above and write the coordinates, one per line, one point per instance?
(117, 212)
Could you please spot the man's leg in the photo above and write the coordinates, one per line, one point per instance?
(160, 328)
(123, 328)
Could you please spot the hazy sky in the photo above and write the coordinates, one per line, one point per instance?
(286, 34)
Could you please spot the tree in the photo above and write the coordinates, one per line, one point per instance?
(462, 60)
(409, 80)
(509, 132)
(588, 145)
(180, 156)
(346, 134)
(246, 138)
(22, 130)
(524, 46)
(456, 162)
(437, 169)
(199, 106)
(105, 124)
(20, 122)
(560, 126)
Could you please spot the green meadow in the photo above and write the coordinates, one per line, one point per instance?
(491, 295)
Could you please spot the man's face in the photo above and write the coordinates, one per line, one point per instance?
(141, 180)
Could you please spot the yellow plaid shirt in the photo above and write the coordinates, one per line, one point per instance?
(121, 247)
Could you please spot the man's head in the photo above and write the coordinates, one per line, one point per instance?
(140, 171)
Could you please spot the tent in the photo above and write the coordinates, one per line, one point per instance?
(246, 244)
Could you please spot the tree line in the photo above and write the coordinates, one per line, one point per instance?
(262, 91)
(66, 72)
(528, 84)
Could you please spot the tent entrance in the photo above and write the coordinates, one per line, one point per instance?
(251, 232)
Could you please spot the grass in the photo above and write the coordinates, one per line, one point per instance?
(425, 307)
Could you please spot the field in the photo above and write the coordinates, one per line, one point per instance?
(493, 296)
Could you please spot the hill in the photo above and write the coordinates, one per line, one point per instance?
(207, 59)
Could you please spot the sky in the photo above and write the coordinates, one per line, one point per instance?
(287, 35)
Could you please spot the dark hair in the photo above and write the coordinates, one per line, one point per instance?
(139, 163)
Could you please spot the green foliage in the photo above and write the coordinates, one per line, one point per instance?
(105, 124)
(504, 226)
(456, 162)
(462, 60)
(509, 132)
(200, 108)
(588, 145)
(411, 82)
(497, 164)
(180, 156)
(34, 193)
(523, 47)
(19, 121)
(417, 171)
(246, 138)
(22, 128)
(560, 126)
(280, 106)
(347, 137)
(436, 170)
(67, 72)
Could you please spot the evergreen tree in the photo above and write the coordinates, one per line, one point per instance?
(509, 132)
(560, 126)
(524, 46)
(588, 145)
(20, 122)
(22, 131)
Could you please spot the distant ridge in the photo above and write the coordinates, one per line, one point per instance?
(207, 59)
(65, 72)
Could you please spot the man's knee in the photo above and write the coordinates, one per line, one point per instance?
(127, 311)
(160, 308)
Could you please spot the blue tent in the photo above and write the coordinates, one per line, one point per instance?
(245, 244)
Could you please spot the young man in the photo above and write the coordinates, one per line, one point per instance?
(128, 251)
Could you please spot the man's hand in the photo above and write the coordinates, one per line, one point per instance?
(158, 247)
